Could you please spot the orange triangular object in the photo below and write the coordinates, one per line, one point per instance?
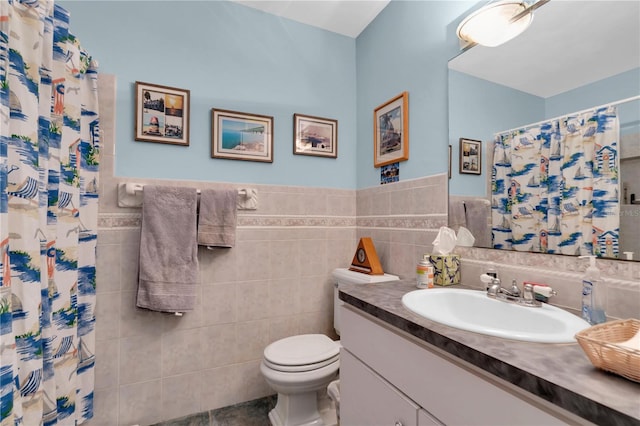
(366, 259)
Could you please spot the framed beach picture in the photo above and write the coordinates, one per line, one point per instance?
(162, 114)
(315, 136)
(391, 131)
(470, 156)
(241, 136)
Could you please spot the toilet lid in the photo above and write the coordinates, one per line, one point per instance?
(331, 363)
(300, 350)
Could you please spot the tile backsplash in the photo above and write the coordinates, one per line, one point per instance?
(621, 279)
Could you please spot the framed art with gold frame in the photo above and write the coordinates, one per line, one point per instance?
(391, 131)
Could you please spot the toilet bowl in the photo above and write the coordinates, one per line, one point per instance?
(298, 367)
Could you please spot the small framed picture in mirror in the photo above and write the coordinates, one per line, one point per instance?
(470, 156)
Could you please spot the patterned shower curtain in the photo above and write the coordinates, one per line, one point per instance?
(49, 148)
(555, 186)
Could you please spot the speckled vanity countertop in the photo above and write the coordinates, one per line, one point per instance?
(559, 373)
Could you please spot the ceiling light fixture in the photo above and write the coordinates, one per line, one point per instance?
(495, 23)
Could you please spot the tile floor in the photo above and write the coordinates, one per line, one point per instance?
(251, 413)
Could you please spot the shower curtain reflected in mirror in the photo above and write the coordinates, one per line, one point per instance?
(49, 149)
(555, 186)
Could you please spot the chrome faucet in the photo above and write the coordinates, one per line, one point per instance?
(514, 291)
(513, 294)
(494, 287)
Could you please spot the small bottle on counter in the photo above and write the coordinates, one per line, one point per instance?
(424, 274)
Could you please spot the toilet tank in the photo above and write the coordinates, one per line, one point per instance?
(345, 276)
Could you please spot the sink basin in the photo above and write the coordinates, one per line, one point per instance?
(472, 310)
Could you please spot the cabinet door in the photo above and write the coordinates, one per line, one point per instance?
(426, 419)
(366, 399)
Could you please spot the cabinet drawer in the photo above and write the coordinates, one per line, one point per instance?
(453, 394)
(366, 399)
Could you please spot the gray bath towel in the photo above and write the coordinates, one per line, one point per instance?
(218, 217)
(478, 215)
(457, 216)
(168, 271)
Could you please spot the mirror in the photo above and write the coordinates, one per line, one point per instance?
(575, 56)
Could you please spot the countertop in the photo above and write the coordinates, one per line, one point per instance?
(559, 373)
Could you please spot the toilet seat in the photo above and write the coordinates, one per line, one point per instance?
(300, 353)
(300, 368)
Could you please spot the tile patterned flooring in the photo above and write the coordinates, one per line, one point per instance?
(250, 413)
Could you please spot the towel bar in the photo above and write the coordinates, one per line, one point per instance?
(130, 195)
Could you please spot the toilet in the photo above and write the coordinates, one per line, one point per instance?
(297, 367)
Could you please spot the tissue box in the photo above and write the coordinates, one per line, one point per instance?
(446, 268)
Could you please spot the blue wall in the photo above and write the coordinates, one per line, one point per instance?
(477, 110)
(230, 57)
(238, 58)
(407, 48)
(617, 87)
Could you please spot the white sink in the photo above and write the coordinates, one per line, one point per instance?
(472, 310)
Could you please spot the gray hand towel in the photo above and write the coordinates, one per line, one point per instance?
(218, 217)
(477, 215)
(457, 216)
(168, 271)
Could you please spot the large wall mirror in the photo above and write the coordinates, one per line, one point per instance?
(575, 56)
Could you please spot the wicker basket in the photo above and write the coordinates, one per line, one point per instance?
(601, 344)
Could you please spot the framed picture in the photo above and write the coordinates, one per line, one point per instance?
(315, 136)
(240, 136)
(390, 173)
(391, 131)
(470, 156)
(162, 114)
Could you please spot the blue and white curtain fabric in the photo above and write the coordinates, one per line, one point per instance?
(49, 150)
(555, 186)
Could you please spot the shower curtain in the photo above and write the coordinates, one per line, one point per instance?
(555, 186)
(49, 148)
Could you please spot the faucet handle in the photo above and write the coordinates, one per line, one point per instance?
(488, 279)
(515, 291)
(491, 284)
(527, 293)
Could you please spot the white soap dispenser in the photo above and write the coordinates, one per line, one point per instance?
(593, 294)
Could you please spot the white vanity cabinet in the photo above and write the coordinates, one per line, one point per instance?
(390, 378)
(373, 400)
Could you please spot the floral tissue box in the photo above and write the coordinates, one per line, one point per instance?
(446, 268)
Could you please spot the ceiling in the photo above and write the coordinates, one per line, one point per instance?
(569, 44)
(346, 17)
(610, 28)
